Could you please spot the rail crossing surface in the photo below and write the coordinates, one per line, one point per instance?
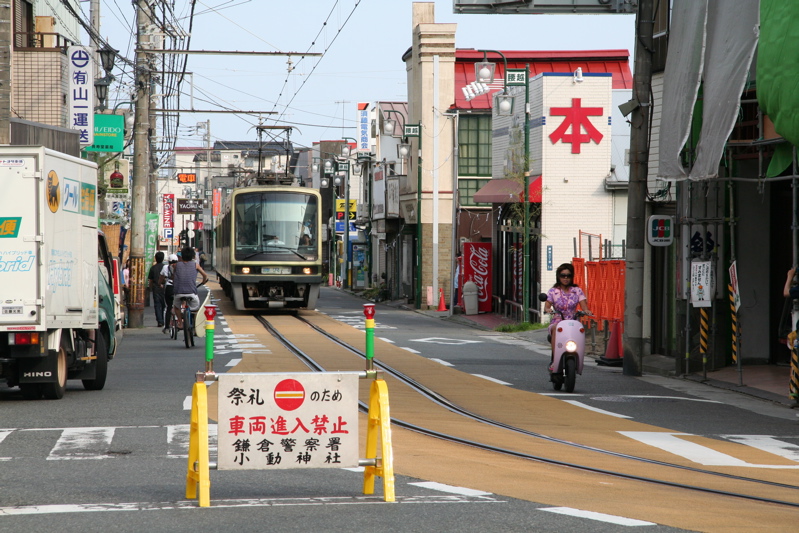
(457, 464)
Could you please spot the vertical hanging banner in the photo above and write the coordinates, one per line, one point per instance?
(150, 235)
(363, 127)
(279, 421)
(169, 211)
(80, 94)
(217, 202)
(477, 268)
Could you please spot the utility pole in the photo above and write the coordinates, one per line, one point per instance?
(152, 191)
(141, 164)
(636, 193)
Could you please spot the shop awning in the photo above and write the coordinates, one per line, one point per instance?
(506, 191)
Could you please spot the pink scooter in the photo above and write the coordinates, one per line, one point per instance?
(567, 360)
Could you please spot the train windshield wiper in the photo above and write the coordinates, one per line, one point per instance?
(259, 252)
(290, 250)
(272, 247)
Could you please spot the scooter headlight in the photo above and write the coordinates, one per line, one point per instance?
(571, 346)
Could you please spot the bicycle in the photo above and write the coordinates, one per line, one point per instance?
(172, 324)
(188, 333)
(188, 324)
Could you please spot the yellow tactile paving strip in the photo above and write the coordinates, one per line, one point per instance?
(433, 459)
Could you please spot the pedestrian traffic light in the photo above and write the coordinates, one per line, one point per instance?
(184, 238)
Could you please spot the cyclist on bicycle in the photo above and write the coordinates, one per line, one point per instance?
(184, 282)
(165, 281)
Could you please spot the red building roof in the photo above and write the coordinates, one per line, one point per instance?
(615, 62)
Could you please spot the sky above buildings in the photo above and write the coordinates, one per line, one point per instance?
(362, 41)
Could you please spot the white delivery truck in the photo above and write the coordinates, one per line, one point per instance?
(56, 280)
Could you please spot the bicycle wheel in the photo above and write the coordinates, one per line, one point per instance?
(187, 338)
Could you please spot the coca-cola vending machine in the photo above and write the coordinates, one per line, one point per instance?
(477, 269)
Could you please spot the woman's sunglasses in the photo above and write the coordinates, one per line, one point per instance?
(569, 276)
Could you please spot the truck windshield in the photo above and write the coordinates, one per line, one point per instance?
(276, 226)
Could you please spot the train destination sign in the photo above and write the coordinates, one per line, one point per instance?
(281, 421)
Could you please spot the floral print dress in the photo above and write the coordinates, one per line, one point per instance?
(564, 302)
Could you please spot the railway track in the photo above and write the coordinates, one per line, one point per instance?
(436, 420)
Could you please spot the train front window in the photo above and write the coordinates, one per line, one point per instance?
(276, 226)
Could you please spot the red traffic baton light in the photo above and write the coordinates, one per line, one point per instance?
(369, 313)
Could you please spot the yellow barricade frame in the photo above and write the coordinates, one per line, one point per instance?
(378, 429)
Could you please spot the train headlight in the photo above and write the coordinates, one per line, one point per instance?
(571, 346)
(306, 270)
(245, 270)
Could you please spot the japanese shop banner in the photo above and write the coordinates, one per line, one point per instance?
(477, 269)
(169, 210)
(281, 421)
(80, 95)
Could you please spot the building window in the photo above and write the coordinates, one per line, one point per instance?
(660, 36)
(474, 145)
(466, 190)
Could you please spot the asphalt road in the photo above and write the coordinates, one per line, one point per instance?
(70, 463)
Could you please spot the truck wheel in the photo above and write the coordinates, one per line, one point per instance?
(55, 391)
(101, 365)
(31, 391)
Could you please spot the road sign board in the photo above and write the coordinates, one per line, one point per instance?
(280, 421)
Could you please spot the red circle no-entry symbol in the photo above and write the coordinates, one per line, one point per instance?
(289, 394)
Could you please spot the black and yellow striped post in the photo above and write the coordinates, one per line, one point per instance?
(793, 387)
(703, 336)
(734, 323)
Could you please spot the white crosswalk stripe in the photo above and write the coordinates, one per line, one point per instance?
(97, 443)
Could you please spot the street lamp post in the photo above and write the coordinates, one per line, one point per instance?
(345, 153)
(484, 73)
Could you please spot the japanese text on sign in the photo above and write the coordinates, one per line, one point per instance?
(702, 283)
(280, 421)
(81, 93)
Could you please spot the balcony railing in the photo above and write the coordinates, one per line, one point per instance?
(41, 41)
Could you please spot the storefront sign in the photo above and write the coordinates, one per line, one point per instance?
(80, 95)
(169, 210)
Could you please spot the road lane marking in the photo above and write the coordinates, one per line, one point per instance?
(696, 453)
(82, 443)
(463, 491)
(187, 403)
(409, 349)
(600, 517)
(386, 340)
(216, 504)
(446, 341)
(233, 362)
(596, 410)
(767, 443)
(440, 361)
(495, 380)
(177, 440)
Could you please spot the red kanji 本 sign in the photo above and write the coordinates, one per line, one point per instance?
(289, 394)
(576, 119)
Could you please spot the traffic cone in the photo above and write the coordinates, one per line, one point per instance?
(613, 354)
(442, 305)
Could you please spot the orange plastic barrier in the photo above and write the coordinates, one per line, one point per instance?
(603, 285)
